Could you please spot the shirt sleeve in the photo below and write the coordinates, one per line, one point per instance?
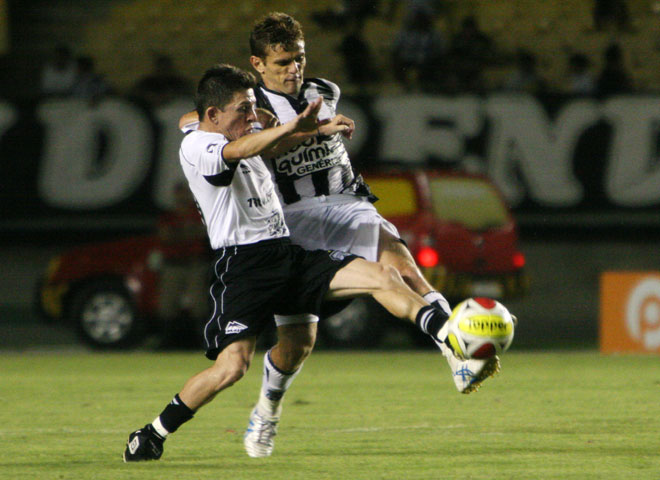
(211, 161)
(190, 127)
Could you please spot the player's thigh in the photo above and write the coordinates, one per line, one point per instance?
(359, 277)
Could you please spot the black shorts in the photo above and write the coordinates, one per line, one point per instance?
(254, 282)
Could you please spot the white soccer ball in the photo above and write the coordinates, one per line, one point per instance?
(480, 328)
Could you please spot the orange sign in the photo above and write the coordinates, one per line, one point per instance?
(630, 312)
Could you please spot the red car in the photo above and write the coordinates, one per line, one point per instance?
(457, 226)
(108, 291)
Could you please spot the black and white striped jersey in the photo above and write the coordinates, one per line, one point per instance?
(237, 200)
(318, 166)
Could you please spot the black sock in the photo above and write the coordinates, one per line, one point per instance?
(175, 414)
(430, 320)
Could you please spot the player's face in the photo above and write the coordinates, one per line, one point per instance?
(237, 117)
(282, 70)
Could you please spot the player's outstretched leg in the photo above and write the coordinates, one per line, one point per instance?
(468, 375)
(229, 367)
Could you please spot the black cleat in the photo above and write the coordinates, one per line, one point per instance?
(143, 444)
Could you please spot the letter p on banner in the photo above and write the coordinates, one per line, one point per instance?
(630, 312)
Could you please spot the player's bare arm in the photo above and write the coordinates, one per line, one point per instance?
(338, 124)
(251, 145)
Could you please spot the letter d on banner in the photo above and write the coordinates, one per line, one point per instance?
(630, 312)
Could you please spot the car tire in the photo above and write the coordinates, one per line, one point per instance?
(105, 316)
(360, 325)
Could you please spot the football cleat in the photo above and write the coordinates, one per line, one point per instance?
(143, 444)
(468, 374)
(259, 439)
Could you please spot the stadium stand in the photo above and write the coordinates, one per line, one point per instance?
(124, 35)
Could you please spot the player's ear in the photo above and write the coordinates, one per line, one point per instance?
(213, 114)
(258, 64)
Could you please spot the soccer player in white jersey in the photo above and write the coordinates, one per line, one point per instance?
(325, 204)
(258, 271)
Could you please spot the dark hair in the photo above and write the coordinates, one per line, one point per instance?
(274, 29)
(218, 86)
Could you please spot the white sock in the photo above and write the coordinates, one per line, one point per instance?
(158, 426)
(437, 300)
(274, 385)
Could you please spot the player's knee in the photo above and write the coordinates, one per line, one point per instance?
(302, 351)
(292, 355)
(406, 267)
(229, 374)
(235, 373)
(295, 343)
(390, 278)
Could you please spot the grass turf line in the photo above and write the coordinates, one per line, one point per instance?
(375, 415)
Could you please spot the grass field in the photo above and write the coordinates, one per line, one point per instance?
(376, 415)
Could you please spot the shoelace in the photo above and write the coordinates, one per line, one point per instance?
(267, 429)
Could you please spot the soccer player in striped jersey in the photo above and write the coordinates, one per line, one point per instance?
(326, 205)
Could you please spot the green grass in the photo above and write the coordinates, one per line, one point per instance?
(391, 415)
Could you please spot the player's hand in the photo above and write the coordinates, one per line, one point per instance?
(266, 118)
(338, 124)
(307, 120)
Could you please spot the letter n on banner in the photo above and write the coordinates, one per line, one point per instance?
(630, 312)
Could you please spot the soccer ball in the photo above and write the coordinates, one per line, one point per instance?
(479, 328)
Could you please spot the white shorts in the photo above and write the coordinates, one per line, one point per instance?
(352, 227)
(349, 227)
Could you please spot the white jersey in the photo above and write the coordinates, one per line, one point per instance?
(237, 200)
(319, 166)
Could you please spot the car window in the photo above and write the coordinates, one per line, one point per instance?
(469, 201)
(396, 196)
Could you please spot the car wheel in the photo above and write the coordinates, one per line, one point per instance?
(360, 324)
(105, 316)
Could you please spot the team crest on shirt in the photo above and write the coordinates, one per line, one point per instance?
(276, 225)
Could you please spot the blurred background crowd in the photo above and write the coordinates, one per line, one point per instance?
(156, 48)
